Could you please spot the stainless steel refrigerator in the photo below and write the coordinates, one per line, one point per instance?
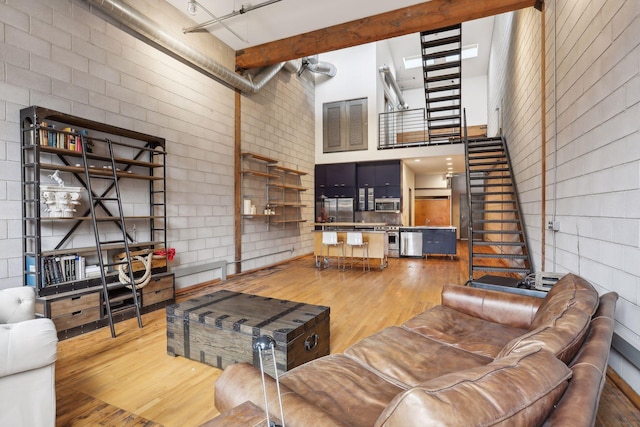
(339, 209)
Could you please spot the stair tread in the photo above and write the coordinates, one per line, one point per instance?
(494, 256)
(442, 99)
(427, 44)
(445, 108)
(444, 66)
(501, 269)
(436, 89)
(440, 118)
(498, 243)
(441, 30)
(442, 77)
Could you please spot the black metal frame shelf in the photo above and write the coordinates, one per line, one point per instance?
(56, 141)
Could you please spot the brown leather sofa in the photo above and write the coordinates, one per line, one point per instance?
(480, 358)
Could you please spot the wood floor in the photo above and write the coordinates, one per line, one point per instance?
(131, 381)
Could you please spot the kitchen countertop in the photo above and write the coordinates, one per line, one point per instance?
(350, 224)
(429, 227)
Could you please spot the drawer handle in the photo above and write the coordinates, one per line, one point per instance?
(311, 342)
(75, 313)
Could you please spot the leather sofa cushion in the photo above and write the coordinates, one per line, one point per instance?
(570, 290)
(407, 359)
(562, 321)
(341, 387)
(517, 390)
(463, 331)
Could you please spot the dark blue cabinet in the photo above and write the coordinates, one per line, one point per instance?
(387, 179)
(336, 180)
(439, 241)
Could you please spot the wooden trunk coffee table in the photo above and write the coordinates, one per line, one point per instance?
(219, 329)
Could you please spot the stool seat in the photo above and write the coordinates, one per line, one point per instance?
(355, 239)
(330, 239)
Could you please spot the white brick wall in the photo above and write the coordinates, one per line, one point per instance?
(597, 58)
(61, 56)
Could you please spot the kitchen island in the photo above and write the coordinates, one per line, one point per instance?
(348, 225)
(378, 245)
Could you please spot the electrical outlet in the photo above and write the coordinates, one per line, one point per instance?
(553, 225)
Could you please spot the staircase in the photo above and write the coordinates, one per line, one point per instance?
(497, 240)
(442, 70)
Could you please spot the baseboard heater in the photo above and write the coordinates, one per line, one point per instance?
(201, 268)
(627, 351)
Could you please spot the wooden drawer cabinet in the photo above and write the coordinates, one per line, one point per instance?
(71, 310)
(76, 318)
(159, 289)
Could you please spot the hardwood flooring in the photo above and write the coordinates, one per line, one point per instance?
(131, 381)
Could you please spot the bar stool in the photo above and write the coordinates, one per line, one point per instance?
(330, 239)
(354, 239)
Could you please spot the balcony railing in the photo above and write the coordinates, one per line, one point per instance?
(407, 128)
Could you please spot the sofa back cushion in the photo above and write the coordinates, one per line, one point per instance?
(521, 389)
(17, 304)
(562, 321)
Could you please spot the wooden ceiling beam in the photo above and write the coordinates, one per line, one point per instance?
(425, 16)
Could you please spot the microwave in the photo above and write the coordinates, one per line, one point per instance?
(387, 205)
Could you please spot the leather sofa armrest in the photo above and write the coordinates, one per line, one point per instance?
(500, 307)
(27, 345)
(241, 382)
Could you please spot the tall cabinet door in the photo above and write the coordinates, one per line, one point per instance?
(344, 125)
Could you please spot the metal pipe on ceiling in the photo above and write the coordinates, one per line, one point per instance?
(389, 81)
(312, 64)
(244, 9)
(135, 21)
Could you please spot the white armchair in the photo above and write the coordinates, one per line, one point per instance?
(28, 351)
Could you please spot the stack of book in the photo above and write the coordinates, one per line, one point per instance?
(59, 269)
(66, 138)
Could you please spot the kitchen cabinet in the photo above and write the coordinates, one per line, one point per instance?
(439, 240)
(387, 179)
(340, 180)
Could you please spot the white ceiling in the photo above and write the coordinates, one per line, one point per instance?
(285, 18)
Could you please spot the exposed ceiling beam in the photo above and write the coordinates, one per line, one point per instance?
(413, 19)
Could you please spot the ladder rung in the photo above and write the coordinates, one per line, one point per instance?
(110, 242)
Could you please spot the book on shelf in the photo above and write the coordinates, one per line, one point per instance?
(69, 138)
(58, 269)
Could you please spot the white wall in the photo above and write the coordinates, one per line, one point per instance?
(593, 162)
(474, 99)
(358, 77)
